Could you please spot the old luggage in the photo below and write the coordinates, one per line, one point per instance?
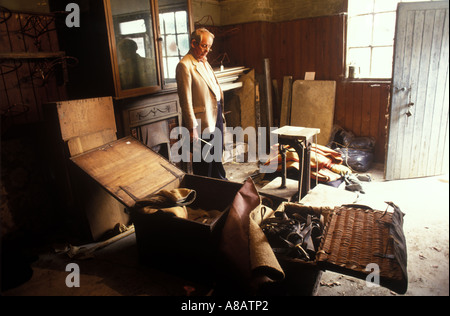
(356, 241)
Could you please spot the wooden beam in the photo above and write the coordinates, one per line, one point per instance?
(286, 102)
(32, 55)
(268, 82)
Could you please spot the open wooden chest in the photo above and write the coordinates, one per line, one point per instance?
(113, 174)
(130, 171)
(356, 241)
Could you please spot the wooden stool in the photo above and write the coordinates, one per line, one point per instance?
(299, 138)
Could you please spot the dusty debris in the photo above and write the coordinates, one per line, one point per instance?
(87, 251)
(330, 284)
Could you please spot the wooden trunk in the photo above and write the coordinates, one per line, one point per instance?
(108, 176)
(75, 127)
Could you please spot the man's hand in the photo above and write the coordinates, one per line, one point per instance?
(194, 135)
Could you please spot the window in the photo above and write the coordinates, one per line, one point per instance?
(174, 30)
(370, 37)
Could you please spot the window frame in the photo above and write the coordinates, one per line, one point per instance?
(373, 13)
(168, 82)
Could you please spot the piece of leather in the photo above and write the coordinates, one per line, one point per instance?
(245, 254)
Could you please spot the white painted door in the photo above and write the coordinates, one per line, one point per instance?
(418, 138)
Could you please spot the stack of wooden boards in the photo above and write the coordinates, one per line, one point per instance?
(309, 103)
(228, 78)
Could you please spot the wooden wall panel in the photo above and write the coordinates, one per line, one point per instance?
(317, 45)
(362, 108)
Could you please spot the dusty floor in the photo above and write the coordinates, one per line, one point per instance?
(426, 205)
(425, 201)
(116, 270)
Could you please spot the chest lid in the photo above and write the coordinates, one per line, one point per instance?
(366, 244)
(128, 169)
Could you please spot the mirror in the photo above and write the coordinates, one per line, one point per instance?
(135, 44)
(147, 40)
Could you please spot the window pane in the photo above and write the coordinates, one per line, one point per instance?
(385, 5)
(165, 68)
(382, 58)
(164, 52)
(167, 23)
(141, 46)
(384, 29)
(183, 44)
(171, 45)
(360, 31)
(181, 17)
(172, 65)
(359, 7)
(133, 27)
(360, 58)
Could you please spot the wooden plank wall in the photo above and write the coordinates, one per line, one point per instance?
(363, 108)
(311, 45)
(26, 84)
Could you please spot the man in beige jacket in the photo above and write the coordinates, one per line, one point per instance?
(201, 100)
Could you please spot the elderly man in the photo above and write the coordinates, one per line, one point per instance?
(201, 100)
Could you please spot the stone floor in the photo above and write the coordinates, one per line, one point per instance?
(116, 271)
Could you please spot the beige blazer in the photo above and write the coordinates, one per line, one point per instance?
(197, 98)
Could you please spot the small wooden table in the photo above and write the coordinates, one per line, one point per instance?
(299, 138)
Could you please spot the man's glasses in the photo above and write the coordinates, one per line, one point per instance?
(205, 46)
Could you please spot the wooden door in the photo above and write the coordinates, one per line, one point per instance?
(418, 140)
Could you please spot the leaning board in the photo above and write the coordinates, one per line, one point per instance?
(313, 103)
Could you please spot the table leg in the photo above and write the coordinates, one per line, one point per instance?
(283, 166)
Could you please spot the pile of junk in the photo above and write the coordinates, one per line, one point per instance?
(345, 159)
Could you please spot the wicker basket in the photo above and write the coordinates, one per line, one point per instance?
(355, 237)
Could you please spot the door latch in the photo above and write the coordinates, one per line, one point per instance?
(409, 113)
(397, 89)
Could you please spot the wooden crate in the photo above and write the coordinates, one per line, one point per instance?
(130, 171)
(75, 127)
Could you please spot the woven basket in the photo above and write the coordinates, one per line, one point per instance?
(355, 238)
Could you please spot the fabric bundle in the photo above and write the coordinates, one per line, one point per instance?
(169, 201)
(326, 163)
